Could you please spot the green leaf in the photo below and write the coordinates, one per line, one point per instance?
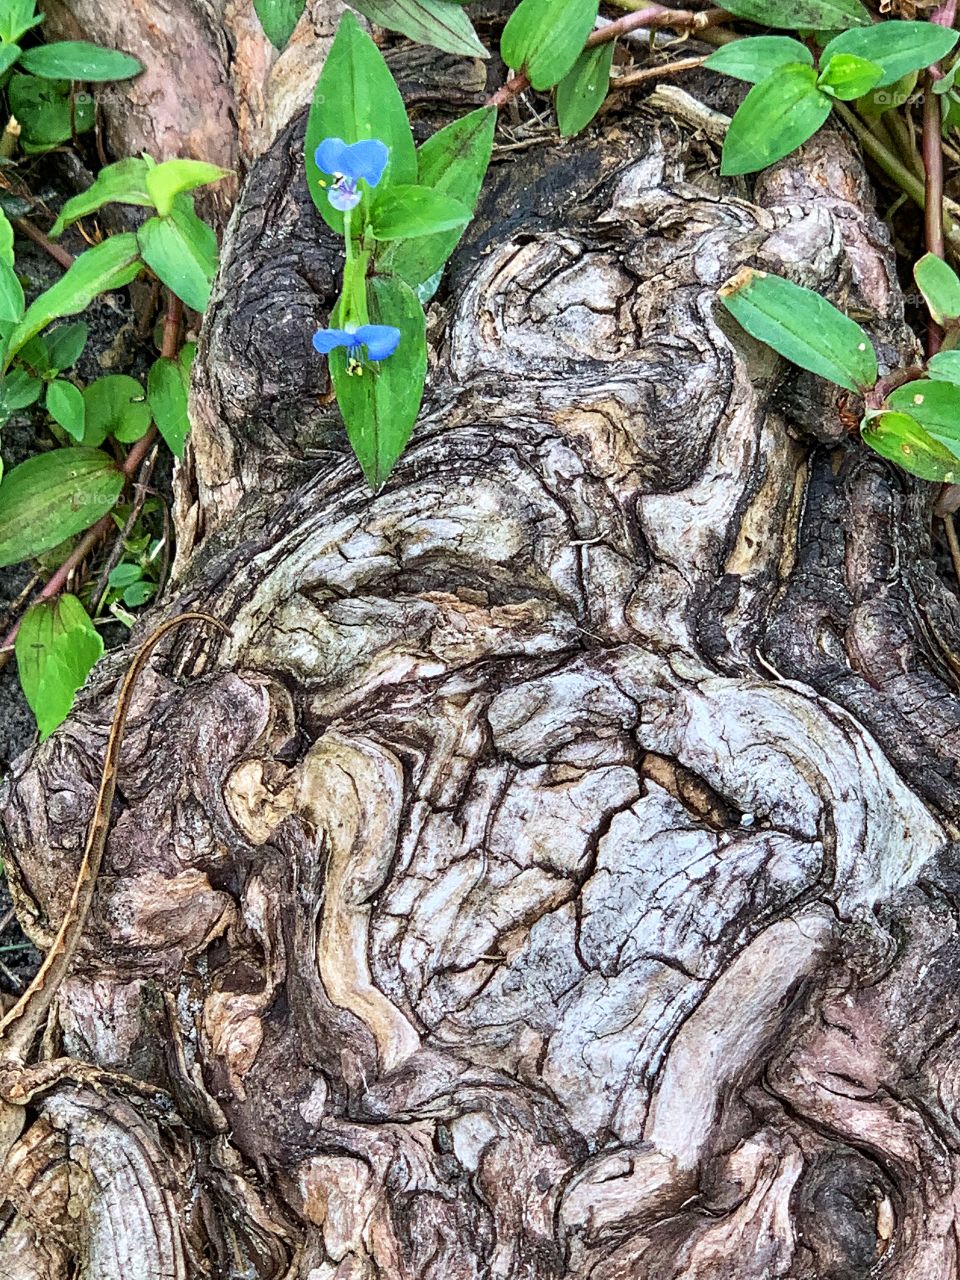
(106, 266)
(356, 99)
(381, 404)
(65, 405)
(778, 115)
(581, 92)
(17, 390)
(17, 17)
(896, 47)
(182, 251)
(6, 240)
(78, 60)
(123, 575)
(138, 593)
(800, 15)
(165, 181)
(846, 77)
(11, 295)
(544, 38)
(64, 344)
(453, 162)
(115, 406)
(167, 391)
(945, 366)
(123, 183)
(902, 439)
(404, 213)
(56, 648)
(437, 22)
(935, 405)
(756, 57)
(279, 18)
(51, 496)
(43, 108)
(801, 326)
(940, 287)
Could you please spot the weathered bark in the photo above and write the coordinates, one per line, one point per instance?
(554, 874)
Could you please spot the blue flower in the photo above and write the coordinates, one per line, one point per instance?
(347, 164)
(381, 341)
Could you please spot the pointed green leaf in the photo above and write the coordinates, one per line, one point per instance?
(167, 390)
(106, 266)
(9, 53)
(902, 439)
(754, 58)
(182, 251)
(799, 15)
(356, 98)
(165, 181)
(896, 47)
(453, 162)
(380, 405)
(17, 17)
(801, 326)
(408, 212)
(53, 495)
(17, 390)
(123, 183)
(778, 115)
(940, 287)
(581, 92)
(78, 60)
(65, 405)
(945, 366)
(64, 344)
(935, 405)
(11, 294)
(437, 22)
(56, 648)
(544, 38)
(279, 18)
(846, 77)
(6, 239)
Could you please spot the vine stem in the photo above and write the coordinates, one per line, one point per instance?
(131, 465)
(56, 251)
(651, 16)
(894, 168)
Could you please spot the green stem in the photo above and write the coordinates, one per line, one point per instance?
(893, 167)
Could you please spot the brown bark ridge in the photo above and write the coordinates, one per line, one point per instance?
(554, 875)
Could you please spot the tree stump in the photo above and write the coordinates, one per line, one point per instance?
(554, 873)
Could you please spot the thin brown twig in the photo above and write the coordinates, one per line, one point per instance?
(953, 543)
(653, 16)
(652, 73)
(56, 251)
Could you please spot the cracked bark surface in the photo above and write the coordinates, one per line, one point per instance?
(555, 874)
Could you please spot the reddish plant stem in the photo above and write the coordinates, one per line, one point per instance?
(655, 15)
(56, 251)
(932, 151)
(131, 465)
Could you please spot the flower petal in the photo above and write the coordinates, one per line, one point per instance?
(344, 196)
(367, 160)
(326, 340)
(381, 340)
(331, 155)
